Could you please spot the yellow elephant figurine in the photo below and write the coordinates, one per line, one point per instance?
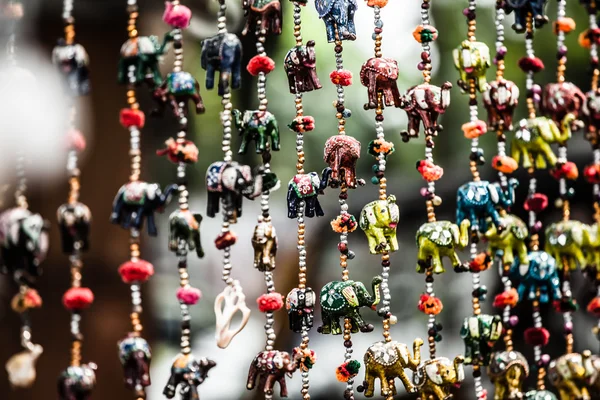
(568, 374)
(440, 239)
(567, 240)
(507, 371)
(510, 240)
(379, 220)
(472, 60)
(592, 254)
(435, 378)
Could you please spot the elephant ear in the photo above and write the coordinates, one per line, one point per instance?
(487, 98)
(518, 228)
(514, 94)
(278, 361)
(367, 217)
(494, 195)
(432, 372)
(229, 178)
(394, 212)
(151, 191)
(455, 56)
(350, 296)
(455, 233)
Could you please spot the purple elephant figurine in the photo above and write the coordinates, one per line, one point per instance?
(424, 104)
(379, 75)
(500, 100)
(269, 367)
(135, 356)
(77, 382)
(300, 67)
(342, 153)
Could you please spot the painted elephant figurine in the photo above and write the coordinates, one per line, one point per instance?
(424, 104)
(230, 182)
(143, 54)
(522, 8)
(77, 382)
(258, 126)
(508, 241)
(379, 76)
(135, 355)
(539, 274)
(74, 224)
(480, 333)
(187, 373)
(338, 16)
(477, 201)
(440, 239)
(341, 154)
(500, 100)
(223, 53)
(560, 99)
(300, 304)
(435, 378)
(307, 188)
(72, 61)
(540, 395)
(138, 200)
(264, 243)
(268, 367)
(184, 232)
(591, 111)
(263, 15)
(567, 240)
(177, 88)
(534, 137)
(568, 375)
(507, 371)
(387, 361)
(343, 299)
(379, 220)
(592, 366)
(300, 67)
(472, 59)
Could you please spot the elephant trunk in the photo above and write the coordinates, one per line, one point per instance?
(237, 118)
(445, 95)
(463, 240)
(565, 128)
(459, 368)
(325, 175)
(373, 301)
(166, 197)
(256, 190)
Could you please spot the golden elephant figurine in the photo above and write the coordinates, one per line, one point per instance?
(264, 243)
(435, 378)
(568, 374)
(510, 240)
(379, 219)
(507, 371)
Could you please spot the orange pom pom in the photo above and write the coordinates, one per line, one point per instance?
(504, 164)
(474, 129)
(564, 24)
(377, 3)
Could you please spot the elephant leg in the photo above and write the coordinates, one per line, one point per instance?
(395, 94)
(474, 220)
(197, 99)
(435, 127)
(454, 259)
(318, 209)
(224, 76)
(336, 328)
(210, 77)
(482, 83)
(172, 236)
(362, 325)
(520, 20)
(579, 257)
(198, 243)
(414, 121)
(384, 383)
(546, 150)
(439, 393)
(292, 201)
(262, 381)
(515, 152)
(309, 206)
(282, 386)
(292, 82)
(325, 328)
(122, 72)
(269, 383)
(330, 27)
(351, 24)
(252, 375)
(393, 242)
(369, 383)
(372, 240)
(151, 225)
(261, 142)
(212, 204)
(436, 264)
(492, 213)
(244, 144)
(372, 90)
(405, 381)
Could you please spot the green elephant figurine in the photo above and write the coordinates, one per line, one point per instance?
(343, 299)
(533, 138)
(472, 59)
(566, 241)
(379, 220)
(184, 232)
(143, 54)
(258, 126)
(510, 240)
(440, 239)
(480, 333)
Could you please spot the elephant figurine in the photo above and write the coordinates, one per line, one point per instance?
(338, 16)
(187, 373)
(379, 76)
(264, 243)
(23, 244)
(341, 154)
(540, 395)
(307, 188)
(300, 304)
(592, 366)
(268, 367)
(138, 200)
(477, 201)
(440, 239)
(435, 377)
(507, 371)
(534, 137)
(568, 375)
(177, 88)
(230, 182)
(567, 240)
(472, 59)
(72, 61)
(591, 111)
(140, 56)
(300, 67)
(222, 52)
(257, 126)
(424, 104)
(522, 8)
(379, 220)
(184, 232)
(74, 224)
(560, 99)
(508, 241)
(539, 274)
(387, 361)
(343, 299)
(77, 382)
(135, 356)
(480, 333)
(263, 15)
(500, 100)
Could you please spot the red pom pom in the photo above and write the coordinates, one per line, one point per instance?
(270, 302)
(594, 307)
(592, 173)
(342, 77)
(225, 240)
(567, 170)
(504, 164)
(258, 64)
(178, 16)
(537, 336)
(429, 171)
(430, 305)
(536, 203)
(531, 64)
(75, 140)
(507, 299)
(136, 271)
(76, 299)
(481, 262)
(129, 118)
(189, 295)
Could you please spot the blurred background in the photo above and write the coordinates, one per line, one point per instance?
(35, 125)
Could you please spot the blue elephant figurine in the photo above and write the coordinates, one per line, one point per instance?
(522, 8)
(307, 188)
(540, 274)
(138, 200)
(223, 53)
(338, 15)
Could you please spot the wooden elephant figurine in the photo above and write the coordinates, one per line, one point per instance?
(135, 356)
(472, 59)
(560, 99)
(72, 61)
(387, 361)
(143, 53)
(435, 377)
(177, 88)
(300, 304)
(379, 220)
(540, 274)
(338, 16)
(523, 8)
(567, 241)
(500, 100)
(307, 188)
(480, 333)
(341, 154)
(508, 241)
(592, 366)
(440, 239)
(223, 53)
(507, 371)
(568, 375)
(268, 367)
(184, 232)
(77, 382)
(300, 67)
(74, 223)
(477, 201)
(258, 126)
(187, 373)
(263, 15)
(424, 104)
(379, 75)
(591, 112)
(264, 243)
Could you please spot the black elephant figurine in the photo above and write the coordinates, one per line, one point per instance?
(177, 88)
(184, 232)
(269, 367)
(138, 200)
(77, 382)
(74, 223)
(338, 15)
(223, 53)
(258, 126)
(301, 68)
(23, 243)
(187, 373)
(522, 8)
(135, 355)
(230, 182)
(72, 61)
(300, 304)
(307, 188)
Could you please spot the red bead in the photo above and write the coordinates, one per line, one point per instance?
(537, 336)
(567, 170)
(129, 118)
(531, 64)
(592, 173)
(189, 295)
(594, 307)
(536, 203)
(270, 302)
(509, 298)
(258, 64)
(342, 77)
(78, 298)
(136, 271)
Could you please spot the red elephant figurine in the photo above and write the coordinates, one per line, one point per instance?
(500, 100)
(424, 104)
(379, 74)
(341, 153)
(270, 367)
(560, 99)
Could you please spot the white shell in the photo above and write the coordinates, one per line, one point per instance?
(21, 367)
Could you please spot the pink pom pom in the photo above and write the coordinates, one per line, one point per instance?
(76, 299)
(136, 271)
(178, 16)
(270, 302)
(429, 171)
(531, 64)
(75, 140)
(258, 64)
(342, 77)
(189, 295)
(537, 336)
